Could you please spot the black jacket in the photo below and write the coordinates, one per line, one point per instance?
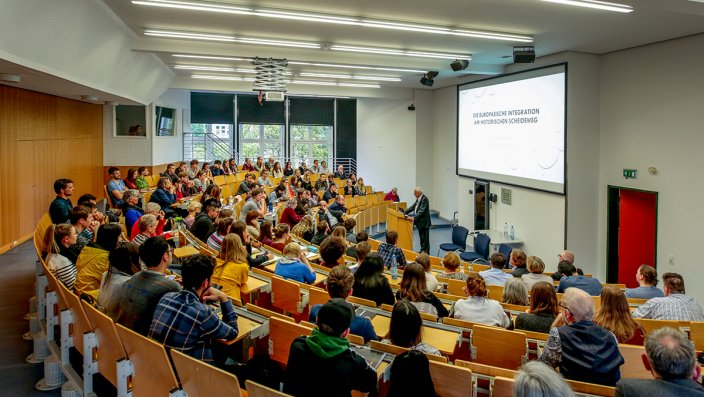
(202, 227)
(422, 219)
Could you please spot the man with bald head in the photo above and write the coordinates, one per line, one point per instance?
(580, 349)
(421, 215)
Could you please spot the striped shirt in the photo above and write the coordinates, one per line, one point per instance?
(139, 239)
(63, 269)
(215, 241)
(679, 307)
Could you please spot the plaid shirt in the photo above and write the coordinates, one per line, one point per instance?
(183, 323)
(388, 251)
(672, 307)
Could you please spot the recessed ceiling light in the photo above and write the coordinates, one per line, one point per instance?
(10, 78)
(600, 5)
(89, 98)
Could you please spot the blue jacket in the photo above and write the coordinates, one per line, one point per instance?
(293, 269)
(163, 198)
(588, 284)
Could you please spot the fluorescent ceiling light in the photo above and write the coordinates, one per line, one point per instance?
(331, 83)
(600, 5)
(197, 6)
(387, 51)
(359, 85)
(345, 76)
(299, 44)
(210, 57)
(205, 68)
(343, 20)
(214, 77)
(233, 39)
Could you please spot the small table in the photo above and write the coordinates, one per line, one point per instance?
(185, 251)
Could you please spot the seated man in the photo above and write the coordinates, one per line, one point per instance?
(60, 208)
(564, 256)
(353, 251)
(675, 305)
(322, 232)
(340, 282)
(582, 350)
(340, 174)
(256, 202)
(349, 230)
(216, 168)
(264, 179)
(325, 215)
(170, 173)
(154, 209)
(331, 193)
(495, 275)
(193, 169)
(337, 209)
(116, 187)
(670, 357)
(390, 252)
(245, 184)
(590, 285)
(86, 227)
(203, 225)
(647, 277)
(322, 183)
(183, 321)
(315, 168)
(339, 370)
(165, 196)
(144, 289)
(90, 201)
(331, 250)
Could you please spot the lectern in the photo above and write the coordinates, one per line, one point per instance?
(404, 227)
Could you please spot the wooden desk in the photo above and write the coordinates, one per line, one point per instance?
(185, 251)
(252, 285)
(244, 326)
(440, 339)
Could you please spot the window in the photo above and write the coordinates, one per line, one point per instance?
(311, 142)
(266, 140)
(209, 142)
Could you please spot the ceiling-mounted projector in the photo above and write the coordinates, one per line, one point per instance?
(274, 96)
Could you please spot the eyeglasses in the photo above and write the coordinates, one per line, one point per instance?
(566, 308)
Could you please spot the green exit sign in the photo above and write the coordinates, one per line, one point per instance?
(629, 174)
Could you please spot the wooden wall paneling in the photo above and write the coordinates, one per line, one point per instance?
(38, 116)
(24, 184)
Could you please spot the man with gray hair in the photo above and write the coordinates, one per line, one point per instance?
(670, 357)
(582, 350)
(537, 379)
(675, 305)
(420, 213)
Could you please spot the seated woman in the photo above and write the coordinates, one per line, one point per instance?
(277, 170)
(370, 282)
(294, 265)
(515, 292)
(281, 237)
(361, 187)
(147, 225)
(405, 328)
(289, 215)
(535, 266)
(252, 222)
(131, 180)
(304, 229)
(425, 261)
(141, 181)
(240, 228)
(517, 258)
(57, 236)
(222, 228)
(451, 262)
(266, 235)
(231, 270)
(305, 181)
(413, 288)
(477, 308)
(124, 262)
(288, 171)
(409, 375)
(613, 315)
(194, 207)
(93, 260)
(212, 193)
(543, 309)
(200, 182)
(332, 249)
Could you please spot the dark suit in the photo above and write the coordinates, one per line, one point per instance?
(658, 387)
(422, 220)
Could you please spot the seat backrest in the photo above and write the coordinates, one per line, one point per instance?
(361, 301)
(696, 335)
(478, 267)
(317, 296)
(285, 295)
(257, 390)
(281, 334)
(482, 245)
(495, 292)
(219, 180)
(153, 375)
(450, 380)
(633, 366)
(152, 180)
(652, 325)
(81, 324)
(460, 236)
(499, 347)
(374, 244)
(455, 287)
(267, 313)
(506, 250)
(199, 379)
(503, 387)
(110, 348)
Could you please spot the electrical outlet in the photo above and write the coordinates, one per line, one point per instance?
(672, 260)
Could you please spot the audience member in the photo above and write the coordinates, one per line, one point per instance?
(131, 180)
(322, 232)
(252, 224)
(182, 319)
(360, 237)
(289, 215)
(350, 224)
(193, 169)
(211, 194)
(370, 283)
(231, 268)
(240, 229)
(362, 249)
(536, 379)
(405, 328)
(131, 209)
(536, 267)
(60, 208)
(671, 359)
(266, 234)
(339, 370)
(647, 277)
(425, 261)
(331, 193)
(361, 190)
(294, 265)
(390, 252)
(477, 307)
(170, 173)
(409, 375)
(193, 208)
(148, 228)
(153, 209)
(264, 179)
(582, 350)
(413, 287)
(588, 284)
(165, 196)
(675, 305)
(216, 169)
(517, 258)
(256, 202)
(282, 237)
(340, 173)
(515, 292)
(141, 180)
(350, 189)
(203, 226)
(392, 195)
(86, 227)
(495, 275)
(222, 227)
(259, 165)
(247, 165)
(564, 256)
(93, 260)
(57, 236)
(324, 168)
(304, 230)
(116, 187)
(614, 316)
(144, 289)
(124, 262)
(340, 285)
(277, 170)
(543, 309)
(451, 263)
(332, 250)
(245, 184)
(315, 168)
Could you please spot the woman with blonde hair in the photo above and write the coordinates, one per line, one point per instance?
(543, 309)
(535, 266)
(413, 287)
(361, 187)
(231, 268)
(194, 207)
(294, 265)
(515, 292)
(477, 307)
(56, 237)
(451, 262)
(613, 315)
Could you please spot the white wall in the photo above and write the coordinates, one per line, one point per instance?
(171, 149)
(386, 145)
(652, 116)
(125, 150)
(447, 196)
(423, 100)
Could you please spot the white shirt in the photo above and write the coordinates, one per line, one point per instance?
(480, 310)
(431, 282)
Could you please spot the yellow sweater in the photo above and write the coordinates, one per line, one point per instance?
(231, 276)
(91, 264)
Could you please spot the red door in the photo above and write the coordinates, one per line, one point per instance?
(637, 233)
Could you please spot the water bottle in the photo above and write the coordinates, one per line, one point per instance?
(395, 267)
(270, 206)
(506, 230)
(511, 233)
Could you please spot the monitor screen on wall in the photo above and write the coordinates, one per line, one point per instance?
(164, 121)
(511, 129)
